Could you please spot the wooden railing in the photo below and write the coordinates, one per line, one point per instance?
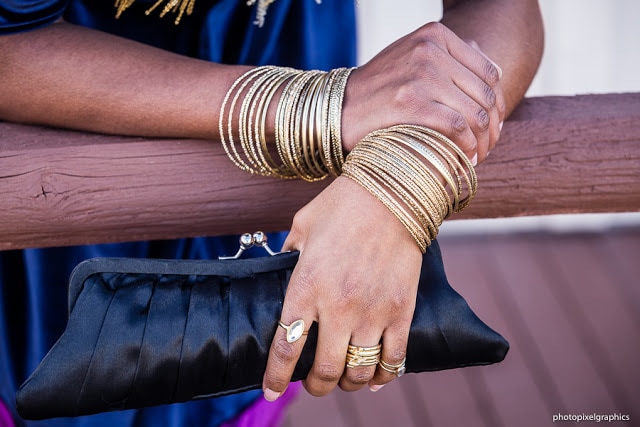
(556, 155)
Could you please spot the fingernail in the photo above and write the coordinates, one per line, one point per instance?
(376, 387)
(271, 395)
(474, 160)
(500, 125)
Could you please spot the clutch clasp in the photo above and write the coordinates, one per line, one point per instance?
(248, 240)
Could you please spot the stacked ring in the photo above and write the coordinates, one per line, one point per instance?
(363, 356)
(398, 369)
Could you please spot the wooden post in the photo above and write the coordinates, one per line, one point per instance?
(556, 155)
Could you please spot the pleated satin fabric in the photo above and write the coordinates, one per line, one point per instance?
(151, 332)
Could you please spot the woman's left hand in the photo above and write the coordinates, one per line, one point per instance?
(357, 277)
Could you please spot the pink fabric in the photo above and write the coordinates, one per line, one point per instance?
(5, 416)
(264, 413)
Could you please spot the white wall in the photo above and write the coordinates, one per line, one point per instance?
(592, 46)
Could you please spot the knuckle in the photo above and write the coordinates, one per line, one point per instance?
(457, 123)
(275, 382)
(427, 47)
(491, 75)
(327, 372)
(349, 290)
(305, 280)
(435, 29)
(489, 97)
(283, 350)
(399, 303)
(405, 96)
(481, 119)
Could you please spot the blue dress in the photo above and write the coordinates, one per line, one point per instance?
(33, 305)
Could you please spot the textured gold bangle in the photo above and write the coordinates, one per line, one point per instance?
(237, 88)
(335, 115)
(247, 110)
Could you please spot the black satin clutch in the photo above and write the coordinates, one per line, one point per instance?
(144, 332)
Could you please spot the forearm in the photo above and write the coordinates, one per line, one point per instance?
(79, 78)
(510, 32)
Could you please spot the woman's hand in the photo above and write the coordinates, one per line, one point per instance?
(357, 277)
(432, 78)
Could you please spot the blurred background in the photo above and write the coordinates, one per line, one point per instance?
(563, 289)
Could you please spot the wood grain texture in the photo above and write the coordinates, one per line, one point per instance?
(58, 187)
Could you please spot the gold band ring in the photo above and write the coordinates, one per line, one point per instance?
(363, 356)
(398, 369)
(295, 330)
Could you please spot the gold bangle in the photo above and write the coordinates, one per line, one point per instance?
(335, 114)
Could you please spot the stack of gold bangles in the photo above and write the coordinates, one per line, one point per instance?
(307, 124)
(417, 173)
(420, 175)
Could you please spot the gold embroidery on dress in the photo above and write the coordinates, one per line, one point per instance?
(182, 6)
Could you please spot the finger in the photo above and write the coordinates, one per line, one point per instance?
(480, 118)
(288, 340)
(283, 356)
(471, 97)
(478, 102)
(489, 93)
(356, 377)
(452, 123)
(394, 352)
(474, 60)
(329, 362)
(500, 101)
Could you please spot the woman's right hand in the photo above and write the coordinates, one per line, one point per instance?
(432, 78)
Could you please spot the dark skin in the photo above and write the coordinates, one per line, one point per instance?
(358, 270)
